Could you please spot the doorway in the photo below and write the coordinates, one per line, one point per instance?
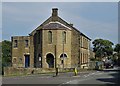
(50, 60)
(27, 61)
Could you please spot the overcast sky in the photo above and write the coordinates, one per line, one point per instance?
(94, 19)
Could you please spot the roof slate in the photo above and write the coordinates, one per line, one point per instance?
(54, 26)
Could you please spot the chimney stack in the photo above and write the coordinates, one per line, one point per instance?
(55, 12)
(71, 24)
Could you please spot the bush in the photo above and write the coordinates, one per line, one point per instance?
(92, 59)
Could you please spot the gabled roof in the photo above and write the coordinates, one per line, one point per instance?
(40, 26)
(54, 18)
(55, 22)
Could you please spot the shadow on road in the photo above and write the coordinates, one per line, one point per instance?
(115, 76)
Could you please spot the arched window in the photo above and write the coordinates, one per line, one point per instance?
(49, 37)
(63, 56)
(64, 37)
(26, 43)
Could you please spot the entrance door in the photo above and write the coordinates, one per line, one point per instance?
(27, 61)
(50, 60)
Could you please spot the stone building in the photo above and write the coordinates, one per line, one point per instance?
(55, 43)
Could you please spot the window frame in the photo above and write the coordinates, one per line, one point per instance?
(50, 39)
(64, 37)
(26, 43)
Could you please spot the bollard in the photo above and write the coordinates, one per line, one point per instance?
(75, 71)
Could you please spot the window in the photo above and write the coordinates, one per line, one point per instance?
(63, 56)
(62, 61)
(81, 59)
(81, 41)
(26, 43)
(40, 61)
(64, 37)
(49, 37)
(15, 43)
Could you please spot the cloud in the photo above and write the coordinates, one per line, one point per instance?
(91, 25)
(18, 14)
(106, 28)
(90, 18)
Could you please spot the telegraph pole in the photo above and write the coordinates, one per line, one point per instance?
(63, 53)
(56, 69)
(55, 58)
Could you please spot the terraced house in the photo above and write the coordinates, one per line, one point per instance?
(55, 43)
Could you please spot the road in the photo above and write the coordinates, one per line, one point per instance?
(108, 76)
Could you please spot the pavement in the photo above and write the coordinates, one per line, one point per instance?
(43, 78)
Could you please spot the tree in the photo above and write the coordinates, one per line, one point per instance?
(0, 57)
(117, 48)
(102, 48)
(6, 53)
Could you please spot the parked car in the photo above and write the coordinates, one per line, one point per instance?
(109, 64)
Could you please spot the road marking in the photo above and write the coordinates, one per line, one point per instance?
(98, 73)
(67, 82)
(44, 77)
(75, 81)
(85, 75)
(89, 74)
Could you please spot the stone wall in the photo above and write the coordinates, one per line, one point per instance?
(50, 48)
(31, 51)
(75, 48)
(11, 71)
(84, 51)
(19, 49)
